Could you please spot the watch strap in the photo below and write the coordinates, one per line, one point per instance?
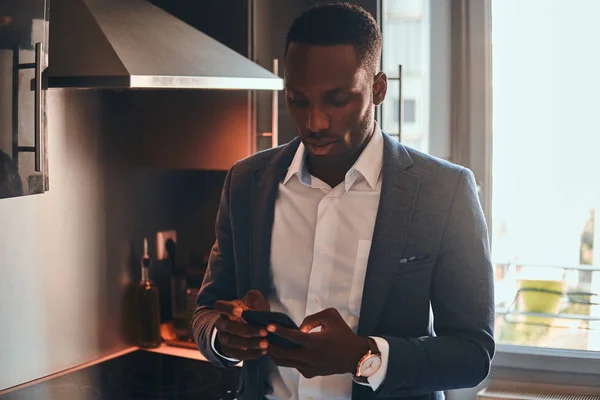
(373, 346)
(373, 351)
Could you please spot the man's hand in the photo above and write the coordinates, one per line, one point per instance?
(334, 350)
(238, 339)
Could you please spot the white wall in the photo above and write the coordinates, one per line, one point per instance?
(53, 304)
(69, 256)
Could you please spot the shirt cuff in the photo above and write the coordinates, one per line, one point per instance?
(378, 377)
(212, 344)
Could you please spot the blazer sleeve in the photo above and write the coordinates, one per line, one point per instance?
(219, 281)
(462, 300)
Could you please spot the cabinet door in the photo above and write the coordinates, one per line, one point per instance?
(23, 58)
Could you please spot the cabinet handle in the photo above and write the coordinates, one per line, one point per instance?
(400, 103)
(274, 134)
(38, 106)
(275, 110)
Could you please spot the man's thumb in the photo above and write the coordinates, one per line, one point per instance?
(255, 299)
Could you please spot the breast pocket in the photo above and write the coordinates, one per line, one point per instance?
(414, 266)
(358, 278)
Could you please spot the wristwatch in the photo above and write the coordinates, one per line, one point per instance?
(369, 364)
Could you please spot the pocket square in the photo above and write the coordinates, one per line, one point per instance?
(422, 257)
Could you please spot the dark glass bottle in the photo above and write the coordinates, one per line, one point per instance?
(148, 308)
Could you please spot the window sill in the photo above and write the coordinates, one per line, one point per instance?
(550, 366)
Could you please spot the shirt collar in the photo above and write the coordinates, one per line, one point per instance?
(369, 163)
(298, 166)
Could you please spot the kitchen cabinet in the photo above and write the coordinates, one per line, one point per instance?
(23, 59)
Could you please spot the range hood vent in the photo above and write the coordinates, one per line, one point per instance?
(132, 44)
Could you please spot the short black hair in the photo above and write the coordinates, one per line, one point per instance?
(338, 24)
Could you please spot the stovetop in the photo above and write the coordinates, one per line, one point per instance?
(139, 375)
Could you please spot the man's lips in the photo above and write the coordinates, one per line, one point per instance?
(320, 142)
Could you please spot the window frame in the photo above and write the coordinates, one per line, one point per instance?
(471, 44)
(436, 83)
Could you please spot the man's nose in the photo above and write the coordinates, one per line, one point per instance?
(317, 120)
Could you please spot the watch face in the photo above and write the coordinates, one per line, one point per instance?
(370, 365)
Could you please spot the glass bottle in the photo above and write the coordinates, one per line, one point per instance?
(148, 308)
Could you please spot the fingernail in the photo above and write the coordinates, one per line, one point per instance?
(264, 344)
(263, 333)
(271, 328)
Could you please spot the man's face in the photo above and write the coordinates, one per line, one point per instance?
(330, 99)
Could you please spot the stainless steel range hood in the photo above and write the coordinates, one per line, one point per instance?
(132, 44)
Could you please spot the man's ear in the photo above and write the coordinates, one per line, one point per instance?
(379, 88)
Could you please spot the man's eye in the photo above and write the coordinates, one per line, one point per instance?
(340, 102)
(298, 102)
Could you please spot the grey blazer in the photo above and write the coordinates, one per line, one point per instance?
(429, 282)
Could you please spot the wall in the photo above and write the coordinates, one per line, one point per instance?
(53, 254)
(68, 256)
(186, 129)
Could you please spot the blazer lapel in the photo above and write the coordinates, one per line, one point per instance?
(262, 207)
(399, 191)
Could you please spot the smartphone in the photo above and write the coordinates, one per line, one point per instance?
(264, 318)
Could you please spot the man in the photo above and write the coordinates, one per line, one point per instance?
(378, 252)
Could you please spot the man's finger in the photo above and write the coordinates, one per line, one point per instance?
(293, 358)
(324, 319)
(229, 308)
(239, 328)
(283, 362)
(311, 322)
(255, 300)
(242, 355)
(238, 342)
(297, 355)
(291, 334)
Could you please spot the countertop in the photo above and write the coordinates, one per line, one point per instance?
(163, 349)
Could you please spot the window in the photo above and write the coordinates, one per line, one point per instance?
(545, 169)
(409, 111)
(409, 115)
(416, 37)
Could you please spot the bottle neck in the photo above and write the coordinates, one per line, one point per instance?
(146, 262)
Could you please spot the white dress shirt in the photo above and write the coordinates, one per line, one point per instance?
(319, 251)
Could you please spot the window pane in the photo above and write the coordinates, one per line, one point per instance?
(414, 126)
(409, 115)
(545, 170)
(403, 44)
(416, 35)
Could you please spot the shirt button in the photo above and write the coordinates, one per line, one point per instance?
(317, 300)
(324, 248)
